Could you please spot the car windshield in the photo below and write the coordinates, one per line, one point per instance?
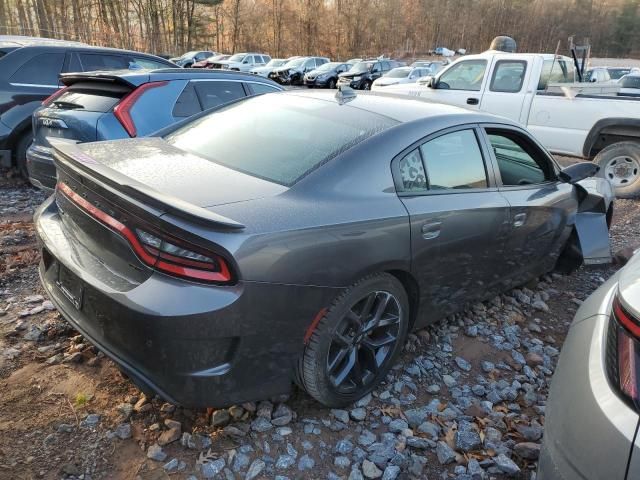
(276, 63)
(618, 73)
(238, 57)
(361, 67)
(296, 62)
(401, 72)
(275, 136)
(630, 81)
(187, 55)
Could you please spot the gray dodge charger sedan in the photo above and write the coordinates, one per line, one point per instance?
(298, 237)
(591, 427)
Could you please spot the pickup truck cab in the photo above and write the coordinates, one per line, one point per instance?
(539, 91)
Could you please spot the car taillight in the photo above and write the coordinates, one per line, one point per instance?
(49, 100)
(623, 353)
(122, 111)
(159, 251)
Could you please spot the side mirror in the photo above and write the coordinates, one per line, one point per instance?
(579, 171)
(593, 80)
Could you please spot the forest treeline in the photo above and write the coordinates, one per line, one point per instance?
(335, 28)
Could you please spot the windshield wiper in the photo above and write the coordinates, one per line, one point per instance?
(67, 105)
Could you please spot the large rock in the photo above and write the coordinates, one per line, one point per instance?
(445, 453)
(467, 437)
(370, 470)
(506, 465)
(527, 450)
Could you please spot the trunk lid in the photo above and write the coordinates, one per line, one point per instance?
(164, 176)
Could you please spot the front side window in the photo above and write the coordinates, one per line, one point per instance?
(508, 76)
(412, 174)
(454, 161)
(466, 75)
(519, 162)
(42, 69)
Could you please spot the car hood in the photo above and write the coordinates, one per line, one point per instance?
(391, 81)
(152, 163)
(227, 62)
(317, 73)
(287, 69)
(351, 74)
(629, 285)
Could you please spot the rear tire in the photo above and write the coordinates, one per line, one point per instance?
(356, 342)
(21, 147)
(620, 164)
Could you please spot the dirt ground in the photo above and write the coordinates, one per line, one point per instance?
(51, 383)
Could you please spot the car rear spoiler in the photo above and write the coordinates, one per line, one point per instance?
(69, 155)
(125, 78)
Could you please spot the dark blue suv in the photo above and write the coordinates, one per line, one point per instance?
(109, 105)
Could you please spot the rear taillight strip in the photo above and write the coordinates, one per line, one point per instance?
(122, 111)
(154, 258)
(625, 319)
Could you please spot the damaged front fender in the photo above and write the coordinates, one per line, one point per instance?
(589, 242)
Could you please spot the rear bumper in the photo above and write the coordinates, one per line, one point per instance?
(589, 430)
(195, 345)
(41, 168)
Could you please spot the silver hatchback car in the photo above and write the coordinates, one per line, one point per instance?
(591, 428)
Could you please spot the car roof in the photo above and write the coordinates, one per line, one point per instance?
(23, 41)
(401, 108)
(140, 76)
(64, 45)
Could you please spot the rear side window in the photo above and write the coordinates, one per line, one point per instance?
(148, 63)
(275, 137)
(412, 174)
(93, 61)
(42, 69)
(508, 76)
(187, 103)
(454, 161)
(259, 88)
(212, 94)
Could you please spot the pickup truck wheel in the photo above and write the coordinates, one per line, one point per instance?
(620, 164)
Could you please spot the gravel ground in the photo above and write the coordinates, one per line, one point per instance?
(466, 400)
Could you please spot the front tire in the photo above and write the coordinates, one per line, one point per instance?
(356, 342)
(22, 145)
(366, 86)
(620, 164)
(332, 84)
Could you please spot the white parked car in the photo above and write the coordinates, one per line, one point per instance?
(399, 75)
(243, 62)
(630, 85)
(270, 67)
(540, 92)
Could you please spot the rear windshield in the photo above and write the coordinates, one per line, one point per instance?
(278, 137)
(88, 100)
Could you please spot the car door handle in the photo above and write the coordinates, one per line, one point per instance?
(519, 219)
(431, 230)
(472, 101)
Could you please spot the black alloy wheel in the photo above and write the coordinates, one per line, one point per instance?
(356, 342)
(331, 84)
(362, 341)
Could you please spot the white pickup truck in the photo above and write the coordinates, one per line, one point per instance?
(577, 119)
